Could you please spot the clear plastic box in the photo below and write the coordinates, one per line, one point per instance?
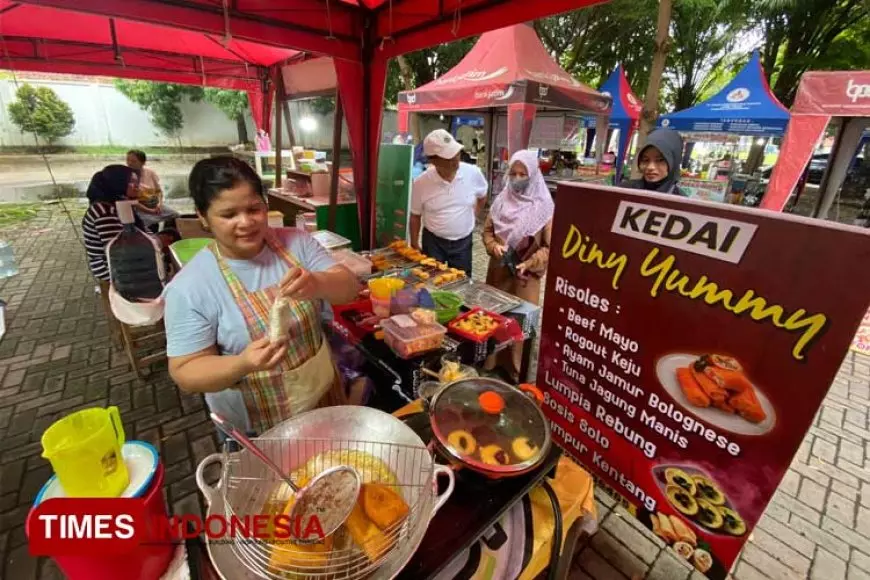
(407, 338)
(354, 262)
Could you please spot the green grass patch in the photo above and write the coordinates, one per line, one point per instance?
(16, 213)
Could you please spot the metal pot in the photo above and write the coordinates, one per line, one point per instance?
(490, 427)
(245, 483)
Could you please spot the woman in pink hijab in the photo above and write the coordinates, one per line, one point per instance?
(516, 236)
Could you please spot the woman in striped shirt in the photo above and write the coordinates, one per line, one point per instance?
(101, 223)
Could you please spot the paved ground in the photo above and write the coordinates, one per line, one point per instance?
(56, 358)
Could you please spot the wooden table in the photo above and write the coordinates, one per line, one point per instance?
(346, 218)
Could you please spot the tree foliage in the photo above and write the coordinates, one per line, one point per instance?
(233, 104)
(703, 37)
(41, 112)
(589, 43)
(802, 35)
(160, 100)
(424, 66)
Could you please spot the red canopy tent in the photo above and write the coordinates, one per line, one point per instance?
(821, 96)
(506, 68)
(362, 35)
(41, 39)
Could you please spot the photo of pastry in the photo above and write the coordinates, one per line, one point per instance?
(698, 498)
(716, 389)
(677, 534)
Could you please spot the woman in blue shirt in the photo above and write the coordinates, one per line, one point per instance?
(218, 306)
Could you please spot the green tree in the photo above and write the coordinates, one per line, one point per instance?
(234, 104)
(590, 42)
(703, 34)
(41, 112)
(161, 101)
(802, 35)
(415, 69)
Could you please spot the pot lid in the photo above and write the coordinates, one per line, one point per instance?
(490, 425)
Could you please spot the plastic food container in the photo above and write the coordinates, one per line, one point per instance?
(380, 307)
(408, 339)
(404, 301)
(447, 305)
(354, 262)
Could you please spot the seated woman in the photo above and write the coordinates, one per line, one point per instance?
(218, 306)
(516, 236)
(659, 163)
(149, 208)
(101, 223)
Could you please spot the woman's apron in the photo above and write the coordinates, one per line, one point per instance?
(306, 377)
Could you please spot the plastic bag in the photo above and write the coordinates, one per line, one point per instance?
(279, 319)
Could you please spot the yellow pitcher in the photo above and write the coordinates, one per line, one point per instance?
(85, 451)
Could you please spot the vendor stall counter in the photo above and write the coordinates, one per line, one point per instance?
(346, 218)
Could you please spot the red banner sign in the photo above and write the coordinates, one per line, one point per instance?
(686, 347)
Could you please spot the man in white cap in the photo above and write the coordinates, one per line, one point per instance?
(445, 200)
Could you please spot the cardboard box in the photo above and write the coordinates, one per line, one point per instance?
(189, 227)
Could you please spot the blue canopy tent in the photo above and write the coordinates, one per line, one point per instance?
(624, 116)
(746, 106)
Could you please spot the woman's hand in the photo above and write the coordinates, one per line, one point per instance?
(522, 270)
(262, 355)
(499, 250)
(299, 284)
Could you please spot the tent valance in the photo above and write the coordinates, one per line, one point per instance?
(745, 106)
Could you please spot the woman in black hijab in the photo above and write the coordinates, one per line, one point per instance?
(101, 223)
(659, 163)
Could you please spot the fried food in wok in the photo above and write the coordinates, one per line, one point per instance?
(373, 525)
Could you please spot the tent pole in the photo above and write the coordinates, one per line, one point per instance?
(489, 132)
(848, 138)
(279, 96)
(336, 161)
(288, 120)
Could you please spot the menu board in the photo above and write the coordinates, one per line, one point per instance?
(686, 347)
(704, 189)
(392, 209)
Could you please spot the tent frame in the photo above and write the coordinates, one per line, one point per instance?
(820, 97)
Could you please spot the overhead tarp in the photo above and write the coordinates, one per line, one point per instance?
(311, 77)
(508, 68)
(820, 96)
(365, 34)
(624, 116)
(745, 106)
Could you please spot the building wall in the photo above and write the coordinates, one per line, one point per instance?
(104, 116)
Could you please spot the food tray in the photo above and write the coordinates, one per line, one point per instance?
(452, 327)
(484, 296)
(330, 240)
(408, 338)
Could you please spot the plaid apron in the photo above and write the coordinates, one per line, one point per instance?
(275, 395)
